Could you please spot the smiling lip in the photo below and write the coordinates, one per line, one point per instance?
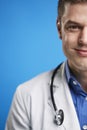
(82, 53)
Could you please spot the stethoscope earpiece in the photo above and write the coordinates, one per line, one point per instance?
(59, 117)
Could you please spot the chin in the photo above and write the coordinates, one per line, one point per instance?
(78, 65)
(81, 66)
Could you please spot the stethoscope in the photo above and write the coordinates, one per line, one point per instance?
(59, 114)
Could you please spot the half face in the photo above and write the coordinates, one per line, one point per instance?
(73, 32)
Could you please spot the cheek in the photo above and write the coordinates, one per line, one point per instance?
(66, 40)
(69, 42)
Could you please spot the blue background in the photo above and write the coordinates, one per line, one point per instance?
(29, 45)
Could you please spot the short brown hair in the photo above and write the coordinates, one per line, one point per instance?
(62, 3)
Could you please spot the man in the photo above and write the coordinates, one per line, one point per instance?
(34, 105)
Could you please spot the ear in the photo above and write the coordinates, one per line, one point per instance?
(58, 24)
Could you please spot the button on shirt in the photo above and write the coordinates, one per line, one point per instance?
(79, 97)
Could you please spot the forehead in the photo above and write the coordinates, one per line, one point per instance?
(75, 12)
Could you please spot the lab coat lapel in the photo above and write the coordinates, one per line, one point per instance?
(64, 101)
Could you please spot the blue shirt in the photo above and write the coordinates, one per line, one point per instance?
(79, 97)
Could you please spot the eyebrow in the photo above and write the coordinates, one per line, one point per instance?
(73, 22)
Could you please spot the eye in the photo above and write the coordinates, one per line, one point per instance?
(73, 28)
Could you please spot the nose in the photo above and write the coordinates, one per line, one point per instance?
(83, 36)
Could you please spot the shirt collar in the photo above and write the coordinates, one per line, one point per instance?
(73, 83)
(69, 75)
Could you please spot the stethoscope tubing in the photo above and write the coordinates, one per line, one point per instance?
(59, 114)
(51, 87)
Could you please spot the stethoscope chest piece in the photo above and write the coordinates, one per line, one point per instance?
(59, 117)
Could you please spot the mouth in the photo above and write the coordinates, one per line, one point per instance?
(81, 52)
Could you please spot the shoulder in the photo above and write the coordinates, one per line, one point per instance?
(38, 83)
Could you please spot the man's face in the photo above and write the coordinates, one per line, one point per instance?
(73, 32)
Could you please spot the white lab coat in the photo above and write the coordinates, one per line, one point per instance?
(32, 108)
